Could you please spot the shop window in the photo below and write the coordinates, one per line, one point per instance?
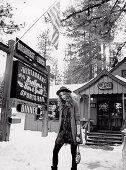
(103, 109)
(53, 111)
(116, 109)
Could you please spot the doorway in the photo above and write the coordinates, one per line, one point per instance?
(110, 115)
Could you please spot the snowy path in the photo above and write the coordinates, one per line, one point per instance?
(27, 150)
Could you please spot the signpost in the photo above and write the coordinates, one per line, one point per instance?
(6, 107)
(27, 81)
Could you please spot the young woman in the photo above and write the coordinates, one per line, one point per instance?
(69, 126)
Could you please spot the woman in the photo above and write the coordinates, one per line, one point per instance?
(69, 126)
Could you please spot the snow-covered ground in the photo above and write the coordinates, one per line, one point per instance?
(28, 150)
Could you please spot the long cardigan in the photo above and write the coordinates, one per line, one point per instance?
(75, 120)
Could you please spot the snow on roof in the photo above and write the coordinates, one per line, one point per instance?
(54, 88)
(121, 78)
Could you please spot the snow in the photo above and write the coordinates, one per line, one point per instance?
(121, 78)
(28, 150)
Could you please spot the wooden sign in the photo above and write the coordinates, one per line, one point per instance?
(28, 53)
(105, 85)
(25, 82)
(28, 84)
(27, 109)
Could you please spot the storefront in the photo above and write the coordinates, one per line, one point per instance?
(103, 102)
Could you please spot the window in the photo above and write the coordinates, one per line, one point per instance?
(53, 110)
(124, 73)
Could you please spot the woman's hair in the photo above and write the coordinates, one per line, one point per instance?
(69, 100)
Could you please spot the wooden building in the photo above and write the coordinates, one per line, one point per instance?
(103, 100)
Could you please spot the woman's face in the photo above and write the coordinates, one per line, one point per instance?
(62, 95)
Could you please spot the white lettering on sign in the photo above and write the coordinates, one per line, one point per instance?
(31, 96)
(29, 53)
(31, 85)
(26, 51)
(29, 109)
(28, 95)
(40, 61)
(31, 72)
(105, 85)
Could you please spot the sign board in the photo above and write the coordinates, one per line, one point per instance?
(28, 53)
(27, 109)
(28, 84)
(105, 85)
(93, 105)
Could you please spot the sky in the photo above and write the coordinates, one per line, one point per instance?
(29, 13)
(28, 150)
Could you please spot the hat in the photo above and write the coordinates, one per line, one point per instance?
(62, 89)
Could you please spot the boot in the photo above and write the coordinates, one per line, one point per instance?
(53, 168)
(75, 168)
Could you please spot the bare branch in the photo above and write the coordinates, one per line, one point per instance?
(120, 48)
(86, 9)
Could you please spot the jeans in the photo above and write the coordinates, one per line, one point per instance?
(56, 150)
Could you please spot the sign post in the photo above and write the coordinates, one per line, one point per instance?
(6, 106)
(26, 82)
(45, 118)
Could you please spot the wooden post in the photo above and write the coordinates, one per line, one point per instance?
(45, 118)
(6, 106)
(124, 153)
(89, 110)
(123, 106)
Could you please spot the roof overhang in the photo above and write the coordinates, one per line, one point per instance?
(94, 80)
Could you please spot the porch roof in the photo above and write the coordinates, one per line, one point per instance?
(118, 79)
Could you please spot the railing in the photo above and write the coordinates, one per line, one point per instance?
(84, 125)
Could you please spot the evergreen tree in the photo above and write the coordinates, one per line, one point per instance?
(89, 25)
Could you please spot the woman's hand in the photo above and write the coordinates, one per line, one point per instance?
(78, 139)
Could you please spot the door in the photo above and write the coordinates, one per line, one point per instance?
(109, 115)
